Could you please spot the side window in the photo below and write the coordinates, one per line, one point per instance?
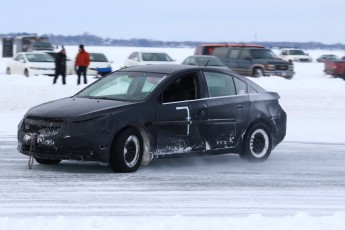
(133, 55)
(241, 86)
(245, 54)
(219, 84)
(220, 52)
(183, 88)
(234, 54)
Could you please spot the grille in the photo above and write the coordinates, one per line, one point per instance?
(42, 127)
(282, 67)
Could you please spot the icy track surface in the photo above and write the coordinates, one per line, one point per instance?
(298, 177)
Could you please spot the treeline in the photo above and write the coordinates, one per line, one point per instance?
(93, 40)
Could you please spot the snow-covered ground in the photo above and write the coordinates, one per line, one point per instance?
(314, 103)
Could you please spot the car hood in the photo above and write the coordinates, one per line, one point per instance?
(75, 108)
(42, 64)
(300, 56)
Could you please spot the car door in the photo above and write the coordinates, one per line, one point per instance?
(181, 117)
(245, 62)
(228, 108)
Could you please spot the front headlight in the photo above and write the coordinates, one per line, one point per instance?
(270, 67)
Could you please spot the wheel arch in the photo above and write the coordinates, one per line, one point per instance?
(262, 67)
(147, 155)
(265, 122)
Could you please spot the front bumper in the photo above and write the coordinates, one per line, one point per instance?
(279, 73)
(54, 139)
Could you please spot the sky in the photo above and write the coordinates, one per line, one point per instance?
(180, 20)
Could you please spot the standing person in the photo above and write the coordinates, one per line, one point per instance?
(81, 63)
(60, 66)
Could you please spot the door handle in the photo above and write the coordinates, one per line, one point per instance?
(240, 106)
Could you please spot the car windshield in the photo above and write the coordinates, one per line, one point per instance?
(43, 57)
(123, 86)
(209, 61)
(156, 57)
(98, 57)
(333, 57)
(41, 44)
(262, 54)
(296, 52)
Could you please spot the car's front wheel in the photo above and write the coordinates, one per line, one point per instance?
(257, 143)
(258, 72)
(8, 71)
(47, 161)
(126, 151)
(26, 73)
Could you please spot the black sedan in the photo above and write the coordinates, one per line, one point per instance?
(148, 112)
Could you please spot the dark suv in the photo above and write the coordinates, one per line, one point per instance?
(251, 60)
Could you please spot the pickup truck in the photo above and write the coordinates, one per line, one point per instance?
(335, 68)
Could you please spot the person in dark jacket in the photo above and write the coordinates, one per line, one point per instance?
(81, 63)
(60, 66)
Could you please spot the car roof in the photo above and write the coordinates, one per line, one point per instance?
(32, 52)
(159, 68)
(203, 56)
(291, 49)
(232, 45)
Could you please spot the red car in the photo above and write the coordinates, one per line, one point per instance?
(335, 68)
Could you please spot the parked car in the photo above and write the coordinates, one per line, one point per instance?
(205, 60)
(327, 57)
(70, 69)
(141, 113)
(31, 63)
(99, 64)
(40, 45)
(207, 49)
(336, 68)
(148, 58)
(249, 60)
(297, 55)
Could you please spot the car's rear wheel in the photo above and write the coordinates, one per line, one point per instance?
(258, 72)
(8, 71)
(126, 151)
(47, 161)
(26, 73)
(257, 143)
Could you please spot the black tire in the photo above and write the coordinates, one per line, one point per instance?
(8, 71)
(258, 72)
(288, 77)
(126, 151)
(257, 143)
(26, 73)
(47, 161)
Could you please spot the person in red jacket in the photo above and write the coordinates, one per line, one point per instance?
(81, 63)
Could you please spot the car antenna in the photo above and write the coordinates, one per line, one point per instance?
(208, 61)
